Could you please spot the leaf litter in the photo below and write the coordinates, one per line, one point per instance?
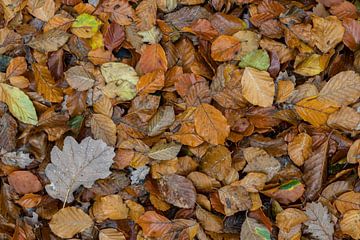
(184, 119)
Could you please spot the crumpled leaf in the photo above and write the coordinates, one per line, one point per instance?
(210, 124)
(257, 58)
(319, 223)
(69, 221)
(258, 87)
(121, 80)
(252, 229)
(19, 104)
(76, 165)
(49, 41)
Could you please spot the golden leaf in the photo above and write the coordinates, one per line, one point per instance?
(16, 67)
(109, 207)
(217, 162)
(151, 82)
(311, 65)
(290, 218)
(210, 124)
(69, 221)
(345, 119)
(45, 84)
(315, 110)
(353, 155)
(350, 223)
(111, 234)
(285, 89)
(258, 87)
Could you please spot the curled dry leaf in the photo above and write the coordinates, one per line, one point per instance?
(76, 165)
(69, 221)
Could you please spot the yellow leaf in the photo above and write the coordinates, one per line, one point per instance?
(210, 124)
(311, 65)
(314, 110)
(97, 41)
(69, 221)
(19, 104)
(111, 234)
(258, 87)
(285, 88)
(85, 25)
(110, 207)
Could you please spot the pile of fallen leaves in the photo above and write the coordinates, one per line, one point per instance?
(179, 119)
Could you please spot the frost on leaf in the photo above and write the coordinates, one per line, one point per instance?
(76, 165)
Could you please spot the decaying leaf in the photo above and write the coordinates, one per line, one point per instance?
(76, 165)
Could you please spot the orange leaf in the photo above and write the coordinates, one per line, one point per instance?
(151, 82)
(225, 48)
(152, 58)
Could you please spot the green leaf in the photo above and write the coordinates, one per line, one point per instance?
(257, 58)
(263, 232)
(87, 21)
(290, 185)
(75, 123)
(19, 104)
(121, 80)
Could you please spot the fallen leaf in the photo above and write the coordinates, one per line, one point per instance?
(29, 200)
(258, 87)
(311, 65)
(17, 66)
(121, 11)
(85, 25)
(43, 10)
(353, 155)
(349, 224)
(300, 148)
(93, 159)
(290, 218)
(24, 182)
(287, 192)
(210, 124)
(154, 224)
(225, 48)
(69, 221)
(153, 58)
(319, 224)
(103, 127)
(252, 229)
(151, 82)
(162, 120)
(79, 79)
(114, 35)
(347, 201)
(111, 234)
(109, 207)
(216, 162)
(234, 199)
(49, 41)
(209, 221)
(164, 151)
(346, 119)
(258, 59)
(19, 104)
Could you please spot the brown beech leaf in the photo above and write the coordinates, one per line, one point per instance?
(319, 223)
(347, 201)
(153, 58)
(253, 181)
(344, 10)
(327, 32)
(352, 33)
(111, 234)
(79, 79)
(154, 224)
(342, 89)
(252, 229)
(349, 224)
(114, 35)
(234, 199)
(8, 130)
(287, 192)
(258, 87)
(187, 135)
(49, 41)
(17, 66)
(104, 106)
(300, 148)
(290, 218)
(203, 182)
(69, 221)
(85, 163)
(162, 119)
(210, 124)
(135, 210)
(203, 29)
(24, 182)
(216, 162)
(56, 64)
(121, 11)
(353, 155)
(55, 124)
(225, 48)
(315, 170)
(145, 106)
(45, 84)
(103, 127)
(109, 207)
(146, 15)
(164, 151)
(346, 119)
(59, 21)
(29, 200)
(177, 190)
(209, 221)
(44, 10)
(260, 161)
(151, 82)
